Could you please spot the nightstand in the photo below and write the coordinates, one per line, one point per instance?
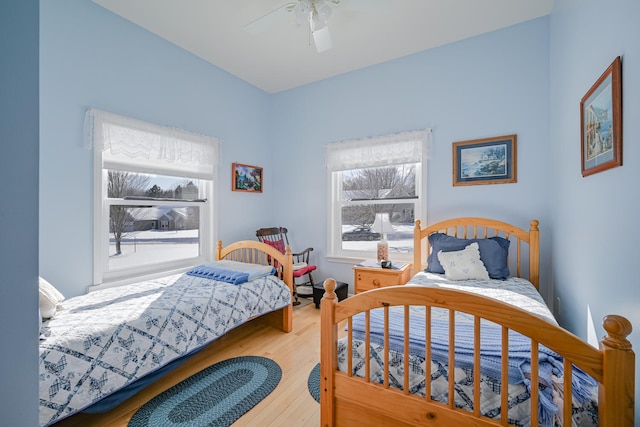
(367, 278)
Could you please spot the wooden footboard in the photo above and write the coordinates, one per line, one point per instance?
(349, 400)
(255, 252)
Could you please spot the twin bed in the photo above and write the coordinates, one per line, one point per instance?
(106, 345)
(386, 354)
(102, 347)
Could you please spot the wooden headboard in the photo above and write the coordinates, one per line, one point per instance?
(255, 252)
(524, 244)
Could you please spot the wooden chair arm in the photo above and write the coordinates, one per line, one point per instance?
(305, 253)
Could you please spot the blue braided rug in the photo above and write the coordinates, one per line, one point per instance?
(215, 396)
(313, 382)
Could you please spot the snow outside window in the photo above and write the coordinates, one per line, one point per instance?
(376, 191)
(154, 198)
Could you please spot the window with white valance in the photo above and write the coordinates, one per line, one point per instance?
(153, 197)
(374, 178)
(386, 150)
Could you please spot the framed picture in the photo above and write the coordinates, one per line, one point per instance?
(601, 122)
(246, 178)
(485, 161)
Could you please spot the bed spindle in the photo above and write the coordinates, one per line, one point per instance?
(427, 360)
(568, 393)
(452, 359)
(386, 345)
(405, 350)
(476, 364)
(534, 383)
(350, 346)
(504, 389)
(367, 346)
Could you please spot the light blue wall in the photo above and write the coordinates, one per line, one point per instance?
(594, 233)
(90, 57)
(19, 213)
(491, 85)
(527, 79)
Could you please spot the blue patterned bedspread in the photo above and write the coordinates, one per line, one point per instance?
(516, 291)
(107, 339)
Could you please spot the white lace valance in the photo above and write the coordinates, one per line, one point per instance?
(158, 149)
(406, 147)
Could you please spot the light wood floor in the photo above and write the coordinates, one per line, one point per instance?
(290, 404)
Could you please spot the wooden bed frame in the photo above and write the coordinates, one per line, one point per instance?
(256, 252)
(348, 400)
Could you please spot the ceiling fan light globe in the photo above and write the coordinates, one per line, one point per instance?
(323, 12)
(322, 39)
(317, 23)
(302, 11)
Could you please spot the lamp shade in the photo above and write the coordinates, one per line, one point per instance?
(382, 224)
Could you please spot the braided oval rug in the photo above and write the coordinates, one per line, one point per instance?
(215, 396)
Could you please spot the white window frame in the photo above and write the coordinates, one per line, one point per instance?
(166, 151)
(387, 150)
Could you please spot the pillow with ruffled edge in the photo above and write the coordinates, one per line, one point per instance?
(464, 264)
(49, 298)
(494, 253)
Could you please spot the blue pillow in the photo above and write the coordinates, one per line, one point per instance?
(493, 253)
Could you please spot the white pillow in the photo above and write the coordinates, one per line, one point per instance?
(49, 299)
(464, 264)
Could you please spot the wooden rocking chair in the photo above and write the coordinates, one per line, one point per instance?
(277, 237)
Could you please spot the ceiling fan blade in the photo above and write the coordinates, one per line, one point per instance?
(262, 23)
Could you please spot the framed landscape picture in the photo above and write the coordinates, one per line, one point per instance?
(601, 122)
(485, 161)
(246, 178)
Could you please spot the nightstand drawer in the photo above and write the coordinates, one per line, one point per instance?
(367, 278)
(367, 281)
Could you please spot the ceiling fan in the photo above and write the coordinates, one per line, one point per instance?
(312, 13)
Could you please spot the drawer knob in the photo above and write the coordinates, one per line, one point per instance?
(376, 282)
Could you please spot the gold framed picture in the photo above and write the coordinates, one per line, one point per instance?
(601, 122)
(246, 178)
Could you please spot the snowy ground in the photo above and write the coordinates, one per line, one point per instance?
(400, 241)
(154, 246)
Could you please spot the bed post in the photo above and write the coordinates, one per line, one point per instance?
(417, 248)
(616, 393)
(287, 312)
(534, 253)
(328, 353)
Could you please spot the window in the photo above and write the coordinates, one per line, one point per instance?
(153, 198)
(376, 191)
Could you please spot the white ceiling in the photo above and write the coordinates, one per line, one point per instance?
(282, 56)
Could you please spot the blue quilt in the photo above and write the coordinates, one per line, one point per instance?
(491, 352)
(514, 291)
(105, 340)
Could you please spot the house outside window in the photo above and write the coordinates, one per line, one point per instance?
(376, 192)
(154, 198)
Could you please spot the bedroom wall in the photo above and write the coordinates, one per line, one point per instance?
(91, 57)
(19, 212)
(491, 85)
(526, 79)
(593, 237)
